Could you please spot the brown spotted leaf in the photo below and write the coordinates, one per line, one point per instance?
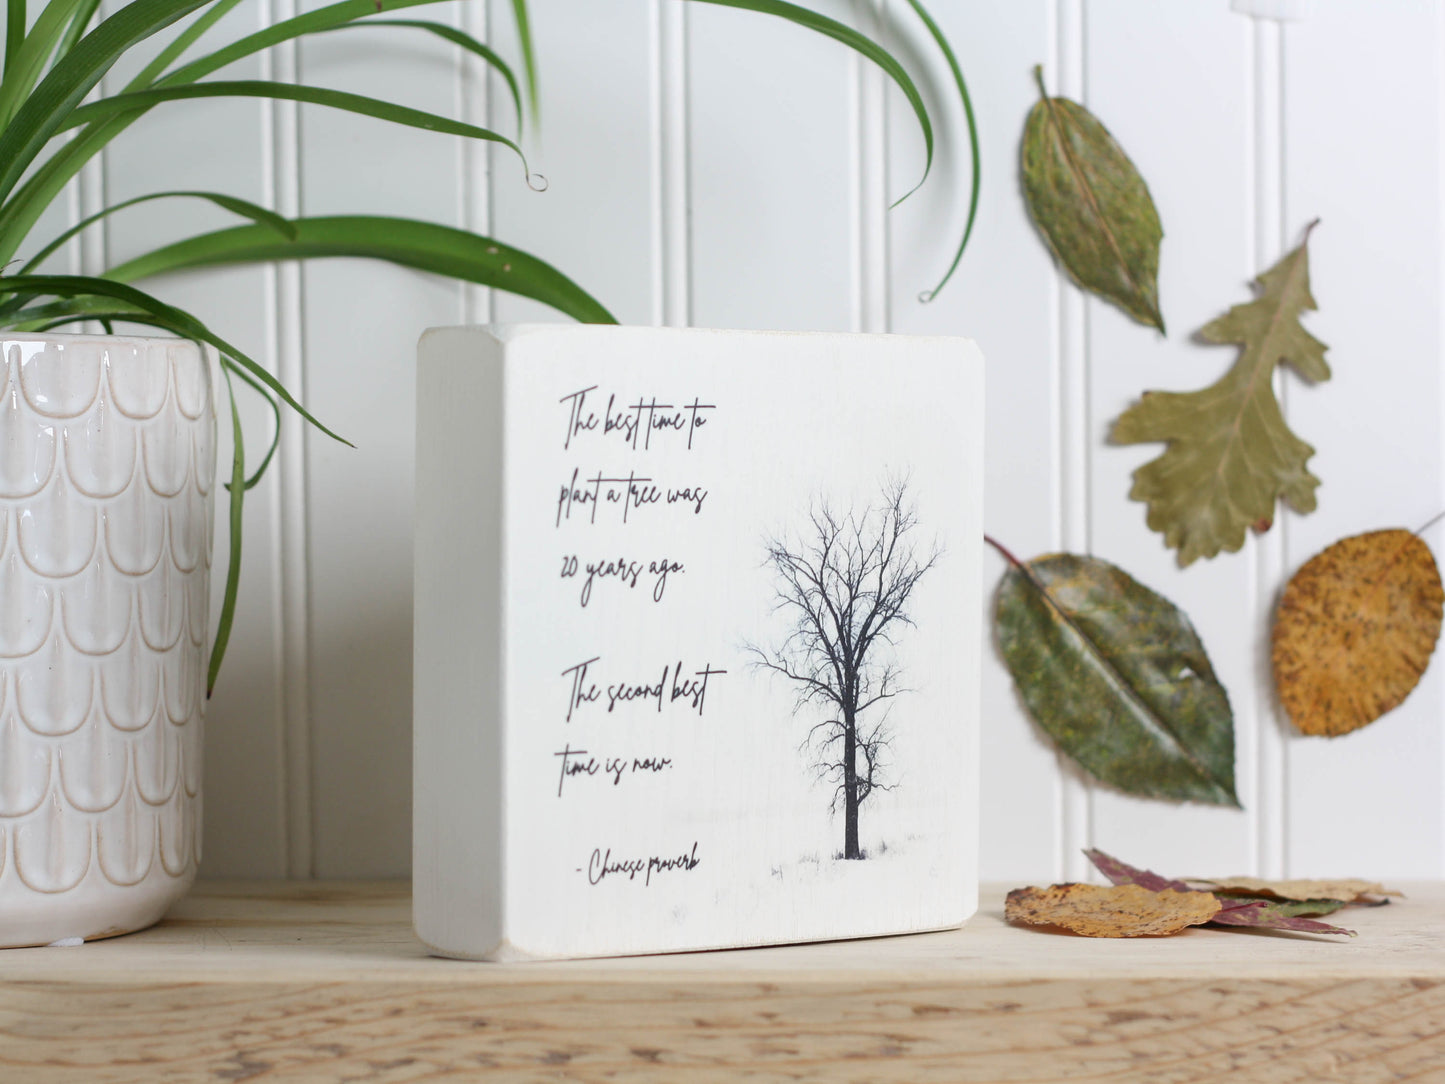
(1092, 206)
(1116, 911)
(1230, 454)
(1345, 890)
(1355, 630)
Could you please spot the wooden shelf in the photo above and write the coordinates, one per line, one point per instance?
(324, 982)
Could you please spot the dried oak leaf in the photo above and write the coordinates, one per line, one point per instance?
(1230, 454)
(1114, 911)
(1344, 890)
(1355, 630)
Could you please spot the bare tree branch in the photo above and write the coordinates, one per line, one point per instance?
(846, 583)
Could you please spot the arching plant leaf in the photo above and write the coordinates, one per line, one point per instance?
(864, 46)
(425, 246)
(1231, 455)
(1355, 629)
(1117, 676)
(1092, 206)
(244, 208)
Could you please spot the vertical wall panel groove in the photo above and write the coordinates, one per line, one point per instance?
(671, 259)
(867, 185)
(474, 159)
(1074, 436)
(89, 188)
(1434, 539)
(1267, 551)
(282, 177)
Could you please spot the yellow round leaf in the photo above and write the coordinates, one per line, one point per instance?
(1112, 911)
(1355, 630)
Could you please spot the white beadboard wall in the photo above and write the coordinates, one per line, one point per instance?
(713, 167)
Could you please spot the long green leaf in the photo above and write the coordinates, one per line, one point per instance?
(456, 37)
(27, 317)
(326, 18)
(975, 180)
(14, 31)
(237, 490)
(53, 102)
(235, 205)
(182, 322)
(177, 46)
(79, 23)
(34, 50)
(1118, 677)
(121, 104)
(859, 43)
(425, 246)
(529, 53)
(275, 408)
(19, 215)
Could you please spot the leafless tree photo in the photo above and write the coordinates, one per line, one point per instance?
(845, 582)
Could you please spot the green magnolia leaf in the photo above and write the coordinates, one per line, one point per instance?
(1117, 676)
(1092, 206)
(1230, 454)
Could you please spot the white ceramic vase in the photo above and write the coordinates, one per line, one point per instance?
(107, 475)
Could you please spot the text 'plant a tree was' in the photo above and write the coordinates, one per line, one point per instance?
(56, 56)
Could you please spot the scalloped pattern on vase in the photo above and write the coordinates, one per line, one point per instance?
(107, 479)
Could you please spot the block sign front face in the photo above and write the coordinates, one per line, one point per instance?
(697, 638)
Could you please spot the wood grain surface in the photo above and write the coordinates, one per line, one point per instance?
(325, 982)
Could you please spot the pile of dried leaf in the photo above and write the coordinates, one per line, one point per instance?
(1141, 903)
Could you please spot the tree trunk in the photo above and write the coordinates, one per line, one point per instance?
(850, 788)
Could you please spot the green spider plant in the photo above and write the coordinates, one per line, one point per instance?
(54, 62)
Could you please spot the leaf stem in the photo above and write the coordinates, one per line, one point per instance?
(1039, 79)
(1006, 554)
(1436, 518)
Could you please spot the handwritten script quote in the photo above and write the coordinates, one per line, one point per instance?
(647, 500)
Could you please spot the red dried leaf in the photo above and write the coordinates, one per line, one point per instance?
(1256, 914)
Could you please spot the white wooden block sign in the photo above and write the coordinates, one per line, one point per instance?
(698, 635)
